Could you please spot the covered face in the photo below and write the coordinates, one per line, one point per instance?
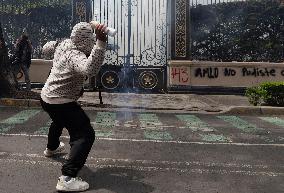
(83, 37)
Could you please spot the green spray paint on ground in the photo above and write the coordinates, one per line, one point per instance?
(20, 117)
(153, 127)
(157, 135)
(4, 129)
(215, 138)
(267, 139)
(104, 134)
(197, 125)
(241, 124)
(194, 123)
(150, 121)
(280, 138)
(105, 120)
(274, 120)
(44, 130)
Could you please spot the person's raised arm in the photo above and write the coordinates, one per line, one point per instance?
(91, 65)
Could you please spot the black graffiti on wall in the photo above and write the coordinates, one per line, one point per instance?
(207, 72)
(214, 72)
(257, 72)
(230, 72)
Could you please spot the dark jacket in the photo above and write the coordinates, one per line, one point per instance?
(23, 52)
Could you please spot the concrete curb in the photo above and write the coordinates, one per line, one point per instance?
(19, 102)
(254, 110)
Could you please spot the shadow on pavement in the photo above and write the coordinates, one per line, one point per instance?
(119, 180)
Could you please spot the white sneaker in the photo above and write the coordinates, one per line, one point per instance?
(48, 153)
(72, 185)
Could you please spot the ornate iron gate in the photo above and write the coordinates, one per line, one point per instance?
(136, 58)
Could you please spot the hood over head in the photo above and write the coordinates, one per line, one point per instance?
(83, 37)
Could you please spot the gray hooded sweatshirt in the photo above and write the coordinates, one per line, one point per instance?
(71, 65)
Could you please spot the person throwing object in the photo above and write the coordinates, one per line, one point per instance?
(74, 58)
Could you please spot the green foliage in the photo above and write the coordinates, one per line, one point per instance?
(44, 20)
(7, 83)
(238, 31)
(268, 93)
(274, 93)
(254, 95)
(22, 6)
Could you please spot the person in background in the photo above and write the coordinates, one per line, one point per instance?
(74, 58)
(23, 56)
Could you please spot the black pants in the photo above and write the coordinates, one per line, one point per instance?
(82, 135)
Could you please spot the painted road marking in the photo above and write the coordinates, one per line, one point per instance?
(274, 120)
(152, 162)
(44, 130)
(4, 129)
(214, 138)
(159, 141)
(157, 135)
(196, 124)
(152, 168)
(129, 121)
(163, 164)
(153, 127)
(105, 120)
(150, 121)
(241, 124)
(21, 117)
(100, 133)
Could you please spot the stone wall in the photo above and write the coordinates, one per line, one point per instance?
(39, 70)
(188, 74)
(222, 74)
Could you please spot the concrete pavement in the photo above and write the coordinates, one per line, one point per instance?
(199, 103)
(145, 152)
(140, 167)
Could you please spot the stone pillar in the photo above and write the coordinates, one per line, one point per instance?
(81, 11)
(179, 29)
(281, 15)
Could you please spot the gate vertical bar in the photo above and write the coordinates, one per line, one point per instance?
(180, 29)
(129, 54)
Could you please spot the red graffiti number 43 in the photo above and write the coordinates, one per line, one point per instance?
(181, 74)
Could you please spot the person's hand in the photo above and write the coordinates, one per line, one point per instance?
(94, 24)
(100, 32)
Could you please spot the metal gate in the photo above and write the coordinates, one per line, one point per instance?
(137, 56)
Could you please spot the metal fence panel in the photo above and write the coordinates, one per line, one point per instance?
(142, 31)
